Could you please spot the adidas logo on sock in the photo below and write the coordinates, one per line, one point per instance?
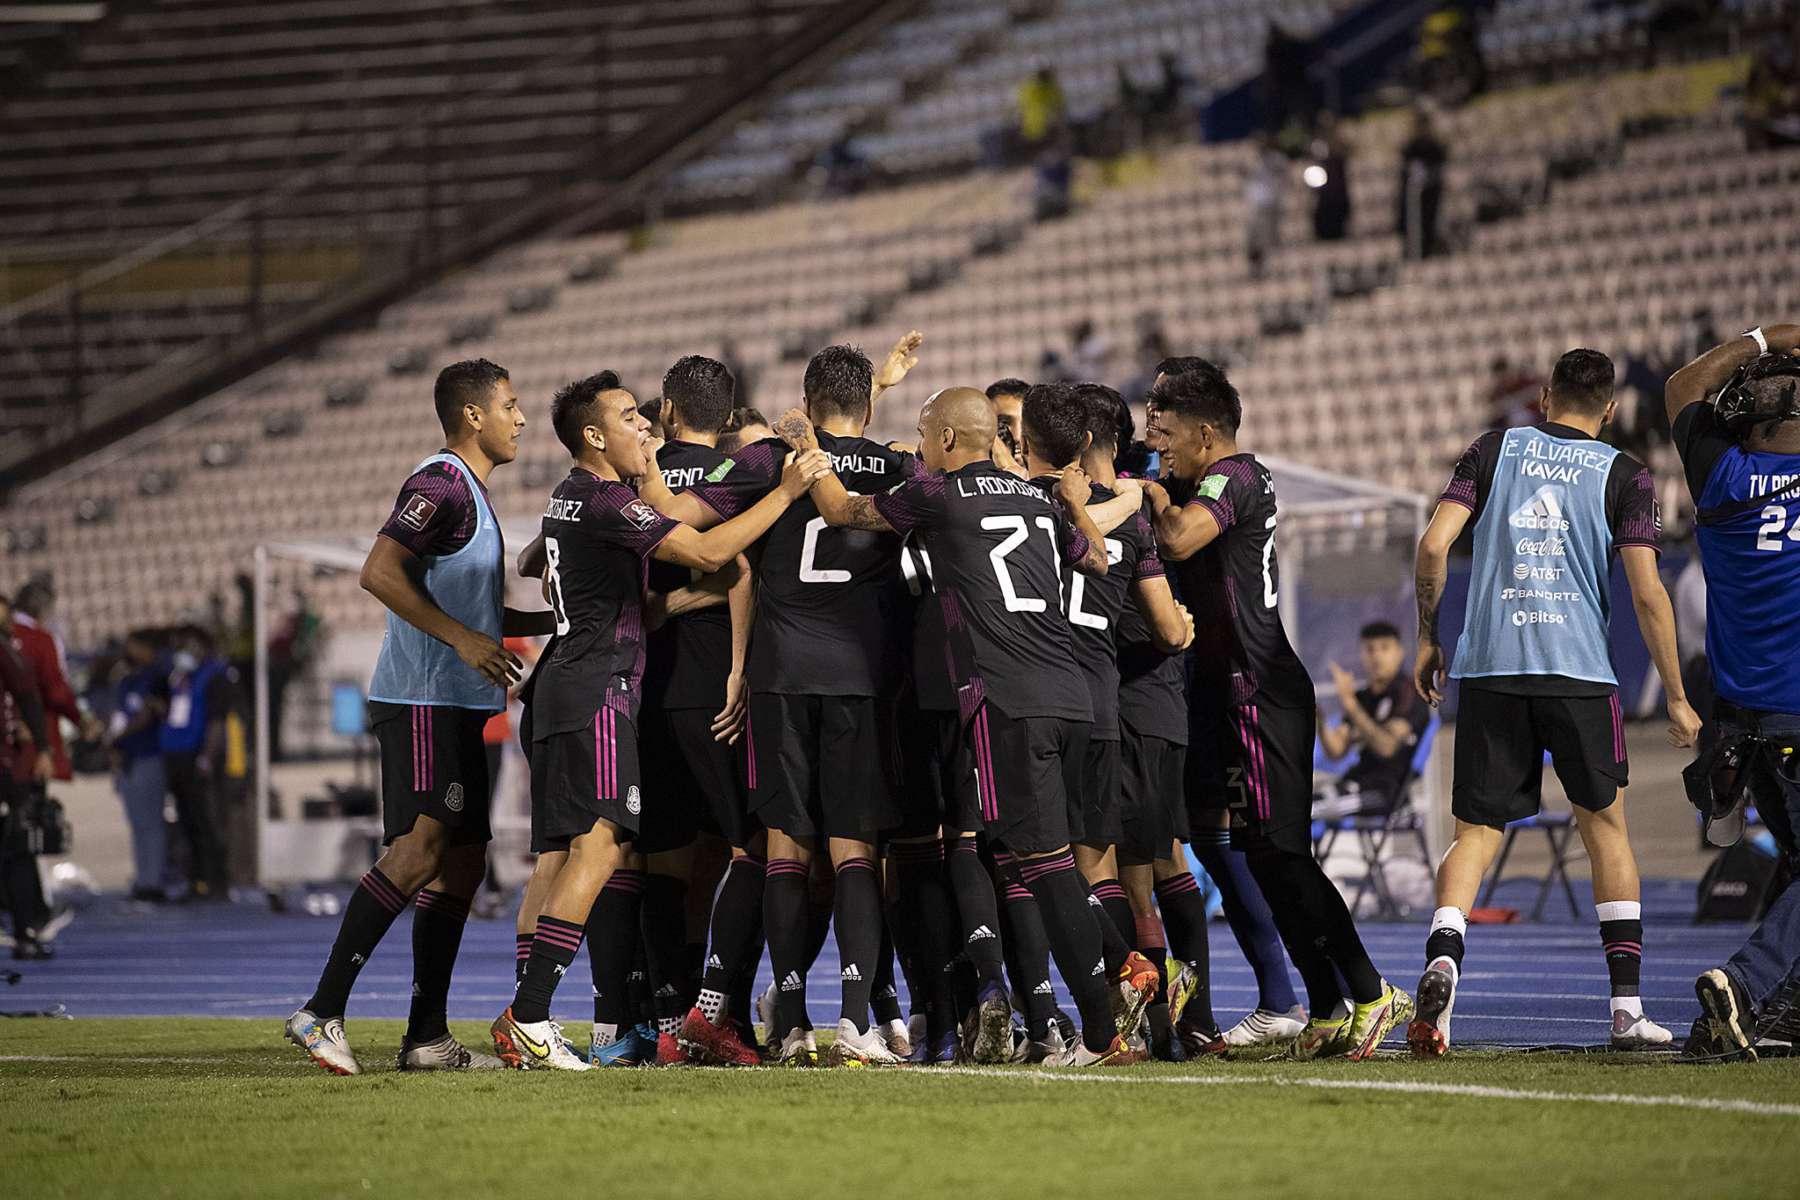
(890, 992)
(1043, 989)
(851, 974)
(357, 960)
(713, 961)
(1094, 901)
(1099, 968)
(793, 982)
(979, 932)
(415, 990)
(667, 989)
(560, 971)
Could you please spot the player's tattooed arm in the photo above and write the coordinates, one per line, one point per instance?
(1108, 515)
(1710, 372)
(1431, 568)
(796, 429)
(1074, 488)
(841, 510)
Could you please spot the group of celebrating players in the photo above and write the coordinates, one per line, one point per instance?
(960, 702)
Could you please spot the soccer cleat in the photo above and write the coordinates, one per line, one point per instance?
(1323, 1037)
(1266, 1027)
(1049, 1049)
(797, 1049)
(765, 1012)
(1117, 1054)
(1167, 1045)
(444, 1054)
(533, 1046)
(1637, 1032)
(853, 1049)
(1428, 1034)
(1371, 1022)
(898, 1037)
(1199, 1041)
(992, 1040)
(1725, 1011)
(634, 1047)
(669, 1052)
(916, 1032)
(718, 1045)
(323, 1041)
(1180, 983)
(1136, 987)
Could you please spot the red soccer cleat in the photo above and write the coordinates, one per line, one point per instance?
(669, 1052)
(718, 1044)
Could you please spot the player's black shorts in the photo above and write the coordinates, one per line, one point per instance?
(1155, 807)
(937, 774)
(1267, 752)
(823, 766)
(1501, 740)
(693, 782)
(1102, 795)
(1204, 791)
(1028, 775)
(584, 776)
(433, 764)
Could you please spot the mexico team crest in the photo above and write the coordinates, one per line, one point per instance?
(453, 798)
(634, 803)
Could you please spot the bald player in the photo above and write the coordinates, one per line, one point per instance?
(997, 545)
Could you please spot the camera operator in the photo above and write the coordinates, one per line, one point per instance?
(21, 733)
(1741, 455)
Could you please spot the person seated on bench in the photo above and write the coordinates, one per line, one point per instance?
(1384, 720)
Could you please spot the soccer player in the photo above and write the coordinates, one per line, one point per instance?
(586, 791)
(1551, 506)
(1008, 398)
(1383, 720)
(997, 545)
(1225, 540)
(438, 566)
(1742, 458)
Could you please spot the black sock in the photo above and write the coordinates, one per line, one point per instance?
(521, 955)
(785, 925)
(924, 905)
(1312, 916)
(884, 997)
(438, 920)
(664, 924)
(1113, 910)
(1027, 957)
(1624, 945)
(1247, 912)
(372, 909)
(978, 913)
(858, 920)
(1074, 941)
(613, 935)
(736, 930)
(818, 926)
(742, 1003)
(1184, 924)
(552, 950)
(1445, 943)
(964, 985)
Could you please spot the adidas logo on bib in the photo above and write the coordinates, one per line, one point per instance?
(1543, 512)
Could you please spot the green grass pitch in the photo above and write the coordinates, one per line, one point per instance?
(210, 1108)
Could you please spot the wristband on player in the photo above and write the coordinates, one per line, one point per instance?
(1756, 335)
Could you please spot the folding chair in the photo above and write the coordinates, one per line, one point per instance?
(1374, 832)
(1559, 830)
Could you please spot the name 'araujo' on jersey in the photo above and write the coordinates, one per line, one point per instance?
(997, 546)
(1233, 589)
(1551, 504)
(598, 537)
(1748, 526)
(825, 597)
(1096, 606)
(689, 657)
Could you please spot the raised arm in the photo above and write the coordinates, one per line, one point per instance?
(892, 369)
(1708, 373)
(1382, 738)
(387, 575)
(1171, 625)
(1431, 568)
(1656, 621)
(710, 551)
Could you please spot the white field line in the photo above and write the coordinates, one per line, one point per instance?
(1708, 1103)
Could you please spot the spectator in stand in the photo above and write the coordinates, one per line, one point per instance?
(1263, 190)
(1383, 720)
(1512, 395)
(136, 737)
(26, 729)
(1772, 93)
(1329, 177)
(196, 752)
(1421, 192)
(1042, 107)
(1090, 352)
(292, 650)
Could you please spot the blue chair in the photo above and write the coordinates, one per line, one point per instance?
(1559, 830)
(1374, 833)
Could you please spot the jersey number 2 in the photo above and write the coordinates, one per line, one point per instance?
(1015, 537)
(1774, 517)
(809, 549)
(1115, 551)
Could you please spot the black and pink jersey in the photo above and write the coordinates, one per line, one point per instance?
(689, 658)
(435, 514)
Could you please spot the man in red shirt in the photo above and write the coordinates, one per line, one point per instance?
(44, 658)
(21, 733)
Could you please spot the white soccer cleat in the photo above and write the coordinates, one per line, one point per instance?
(324, 1042)
(534, 1045)
(1638, 1032)
(797, 1049)
(765, 1012)
(897, 1036)
(445, 1054)
(853, 1049)
(1428, 1034)
(1264, 1027)
(916, 1031)
(1052, 1049)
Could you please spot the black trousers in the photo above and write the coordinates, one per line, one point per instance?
(197, 815)
(21, 891)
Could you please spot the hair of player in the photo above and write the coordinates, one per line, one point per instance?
(1185, 364)
(1201, 396)
(838, 382)
(1583, 381)
(1108, 416)
(1379, 629)
(471, 381)
(702, 390)
(576, 406)
(1055, 419)
(1007, 387)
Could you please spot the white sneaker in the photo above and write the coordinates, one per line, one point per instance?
(798, 1049)
(1636, 1032)
(445, 1054)
(1052, 1049)
(897, 1036)
(1265, 1027)
(853, 1049)
(324, 1042)
(1428, 1034)
(534, 1045)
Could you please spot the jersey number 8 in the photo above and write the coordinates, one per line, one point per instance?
(552, 560)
